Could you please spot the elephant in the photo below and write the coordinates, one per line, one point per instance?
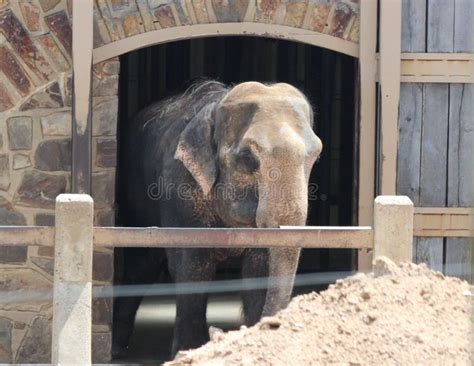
(225, 157)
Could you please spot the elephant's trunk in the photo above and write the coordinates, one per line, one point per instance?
(283, 199)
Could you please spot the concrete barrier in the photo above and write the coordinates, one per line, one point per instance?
(72, 315)
(393, 228)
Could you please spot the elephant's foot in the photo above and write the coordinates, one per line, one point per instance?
(121, 336)
(119, 352)
(188, 343)
(189, 336)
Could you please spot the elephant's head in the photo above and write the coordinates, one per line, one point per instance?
(252, 152)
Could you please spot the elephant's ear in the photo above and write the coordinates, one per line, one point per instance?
(195, 149)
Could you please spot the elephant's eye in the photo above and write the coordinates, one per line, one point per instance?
(246, 161)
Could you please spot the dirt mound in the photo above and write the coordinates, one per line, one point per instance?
(404, 314)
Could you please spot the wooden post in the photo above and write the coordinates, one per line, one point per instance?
(367, 125)
(72, 313)
(390, 50)
(82, 44)
(393, 228)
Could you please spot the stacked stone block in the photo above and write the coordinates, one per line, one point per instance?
(118, 19)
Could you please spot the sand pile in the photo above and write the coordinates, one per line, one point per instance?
(403, 314)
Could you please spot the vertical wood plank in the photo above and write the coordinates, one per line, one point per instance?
(409, 145)
(433, 170)
(411, 108)
(458, 258)
(355, 156)
(220, 56)
(466, 146)
(430, 251)
(148, 69)
(413, 26)
(455, 250)
(461, 134)
(440, 25)
(367, 120)
(434, 145)
(162, 67)
(197, 58)
(390, 48)
(272, 67)
(82, 43)
(454, 162)
(132, 89)
(336, 142)
(300, 60)
(463, 26)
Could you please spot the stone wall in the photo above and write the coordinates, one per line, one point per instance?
(35, 166)
(118, 19)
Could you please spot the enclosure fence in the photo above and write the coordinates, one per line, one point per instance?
(74, 238)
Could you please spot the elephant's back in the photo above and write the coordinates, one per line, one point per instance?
(151, 142)
(155, 130)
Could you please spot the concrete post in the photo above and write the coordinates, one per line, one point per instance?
(393, 228)
(72, 318)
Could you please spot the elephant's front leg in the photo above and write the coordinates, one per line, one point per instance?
(283, 263)
(140, 267)
(192, 265)
(255, 268)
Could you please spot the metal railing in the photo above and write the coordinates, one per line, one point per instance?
(74, 238)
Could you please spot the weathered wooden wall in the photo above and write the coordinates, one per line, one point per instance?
(436, 128)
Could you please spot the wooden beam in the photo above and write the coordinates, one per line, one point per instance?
(82, 45)
(437, 68)
(146, 39)
(390, 50)
(442, 222)
(443, 210)
(367, 120)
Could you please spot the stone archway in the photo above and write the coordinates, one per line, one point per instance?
(118, 20)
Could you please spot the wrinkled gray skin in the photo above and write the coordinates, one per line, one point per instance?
(257, 139)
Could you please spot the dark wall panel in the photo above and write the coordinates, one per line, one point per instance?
(327, 78)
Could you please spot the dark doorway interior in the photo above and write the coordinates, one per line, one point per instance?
(327, 78)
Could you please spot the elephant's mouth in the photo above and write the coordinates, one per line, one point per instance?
(243, 222)
(242, 214)
(246, 224)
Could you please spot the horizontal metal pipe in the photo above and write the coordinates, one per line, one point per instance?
(27, 235)
(303, 237)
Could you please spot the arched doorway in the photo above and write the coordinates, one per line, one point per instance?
(329, 80)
